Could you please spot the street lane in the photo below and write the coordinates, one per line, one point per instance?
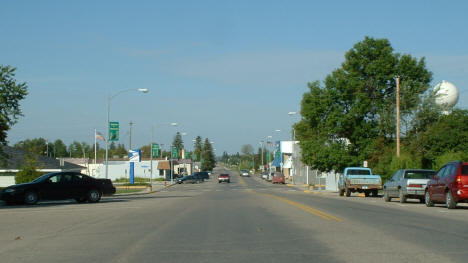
(248, 220)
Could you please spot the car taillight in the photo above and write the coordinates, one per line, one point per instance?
(415, 185)
(458, 179)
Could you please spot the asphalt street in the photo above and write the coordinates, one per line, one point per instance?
(247, 220)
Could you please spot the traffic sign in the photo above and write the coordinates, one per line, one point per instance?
(113, 131)
(155, 150)
(175, 152)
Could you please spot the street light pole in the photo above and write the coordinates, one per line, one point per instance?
(109, 98)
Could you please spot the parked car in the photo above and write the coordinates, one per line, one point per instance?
(359, 179)
(205, 175)
(407, 183)
(449, 185)
(59, 186)
(244, 173)
(198, 176)
(188, 179)
(265, 175)
(224, 178)
(278, 178)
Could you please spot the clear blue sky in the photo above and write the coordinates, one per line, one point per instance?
(226, 70)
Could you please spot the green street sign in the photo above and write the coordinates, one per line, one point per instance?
(187, 155)
(113, 131)
(268, 156)
(175, 152)
(155, 150)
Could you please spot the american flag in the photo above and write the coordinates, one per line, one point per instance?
(99, 136)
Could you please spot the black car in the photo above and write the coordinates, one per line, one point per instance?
(59, 186)
(203, 175)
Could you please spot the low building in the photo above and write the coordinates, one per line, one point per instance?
(15, 159)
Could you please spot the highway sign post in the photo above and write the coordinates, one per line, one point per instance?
(155, 150)
(113, 131)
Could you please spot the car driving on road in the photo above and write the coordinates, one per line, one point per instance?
(59, 186)
(407, 183)
(244, 173)
(224, 178)
(189, 179)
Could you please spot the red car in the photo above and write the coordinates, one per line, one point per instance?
(278, 179)
(449, 186)
(224, 178)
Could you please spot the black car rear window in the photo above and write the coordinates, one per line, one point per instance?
(419, 174)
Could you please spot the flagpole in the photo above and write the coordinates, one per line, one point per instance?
(95, 147)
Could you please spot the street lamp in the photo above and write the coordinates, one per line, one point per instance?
(109, 98)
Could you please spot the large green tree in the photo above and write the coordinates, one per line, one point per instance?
(355, 106)
(198, 149)
(11, 93)
(209, 161)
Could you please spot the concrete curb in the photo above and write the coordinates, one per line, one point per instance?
(145, 191)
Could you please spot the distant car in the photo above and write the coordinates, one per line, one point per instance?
(59, 186)
(188, 179)
(244, 173)
(278, 178)
(265, 175)
(407, 183)
(449, 185)
(224, 178)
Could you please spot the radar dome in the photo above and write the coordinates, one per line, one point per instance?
(446, 95)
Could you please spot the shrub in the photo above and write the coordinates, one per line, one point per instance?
(448, 157)
(28, 171)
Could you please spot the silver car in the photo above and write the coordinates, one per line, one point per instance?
(407, 183)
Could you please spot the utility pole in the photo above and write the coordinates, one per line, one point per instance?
(398, 116)
(130, 143)
(262, 154)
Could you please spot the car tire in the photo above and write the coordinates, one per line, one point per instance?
(386, 197)
(402, 197)
(219, 182)
(428, 200)
(449, 202)
(341, 192)
(31, 198)
(93, 196)
(348, 192)
(366, 193)
(422, 200)
(229, 182)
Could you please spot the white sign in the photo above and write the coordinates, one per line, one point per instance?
(135, 156)
(364, 164)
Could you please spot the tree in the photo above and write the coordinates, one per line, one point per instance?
(208, 156)
(60, 149)
(37, 146)
(343, 120)
(11, 93)
(28, 172)
(198, 149)
(178, 143)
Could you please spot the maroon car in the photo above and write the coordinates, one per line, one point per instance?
(449, 186)
(278, 178)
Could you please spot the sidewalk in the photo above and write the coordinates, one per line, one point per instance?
(310, 189)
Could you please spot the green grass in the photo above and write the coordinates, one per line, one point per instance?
(138, 180)
(128, 191)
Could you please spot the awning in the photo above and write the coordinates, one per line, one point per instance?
(164, 165)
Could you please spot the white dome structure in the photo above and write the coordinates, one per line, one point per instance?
(446, 95)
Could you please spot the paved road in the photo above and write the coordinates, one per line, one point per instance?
(247, 220)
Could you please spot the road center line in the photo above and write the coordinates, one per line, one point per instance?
(306, 208)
